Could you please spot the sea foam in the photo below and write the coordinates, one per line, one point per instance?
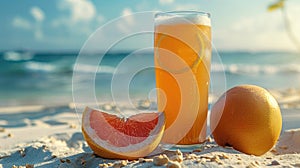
(85, 68)
(39, 66)
(255, 69)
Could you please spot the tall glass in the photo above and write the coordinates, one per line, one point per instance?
(182, 65)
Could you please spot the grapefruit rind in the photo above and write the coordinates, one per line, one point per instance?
(248, 118)
(104, 149)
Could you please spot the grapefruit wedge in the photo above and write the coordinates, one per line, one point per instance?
(111, 136)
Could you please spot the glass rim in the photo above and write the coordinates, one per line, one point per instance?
(183, 13)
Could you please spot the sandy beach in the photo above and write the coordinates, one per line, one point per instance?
(50, 136)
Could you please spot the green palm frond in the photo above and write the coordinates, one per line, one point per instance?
(277, 5)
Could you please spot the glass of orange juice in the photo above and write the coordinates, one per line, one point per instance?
(182, 57)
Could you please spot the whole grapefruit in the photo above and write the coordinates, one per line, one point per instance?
(247, 118)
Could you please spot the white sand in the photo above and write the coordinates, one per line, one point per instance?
(70, 150)
(51, 137)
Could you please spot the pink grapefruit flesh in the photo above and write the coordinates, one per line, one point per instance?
(111, 136)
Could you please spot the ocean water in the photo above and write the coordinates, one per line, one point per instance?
(30, 78)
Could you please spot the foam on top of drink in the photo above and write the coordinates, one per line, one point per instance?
(173, 18)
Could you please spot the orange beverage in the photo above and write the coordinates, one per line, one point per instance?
(182, 60)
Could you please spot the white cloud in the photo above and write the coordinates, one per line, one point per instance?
(37, 13)
(81, 10)
(164, 2)
(34, 27)
(39, 16)
(127, 22)
(122, 35)
(19, 22)
(128, 13)
(80, 18)
(100, 18)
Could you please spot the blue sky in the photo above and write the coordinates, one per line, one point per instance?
(67, 24)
